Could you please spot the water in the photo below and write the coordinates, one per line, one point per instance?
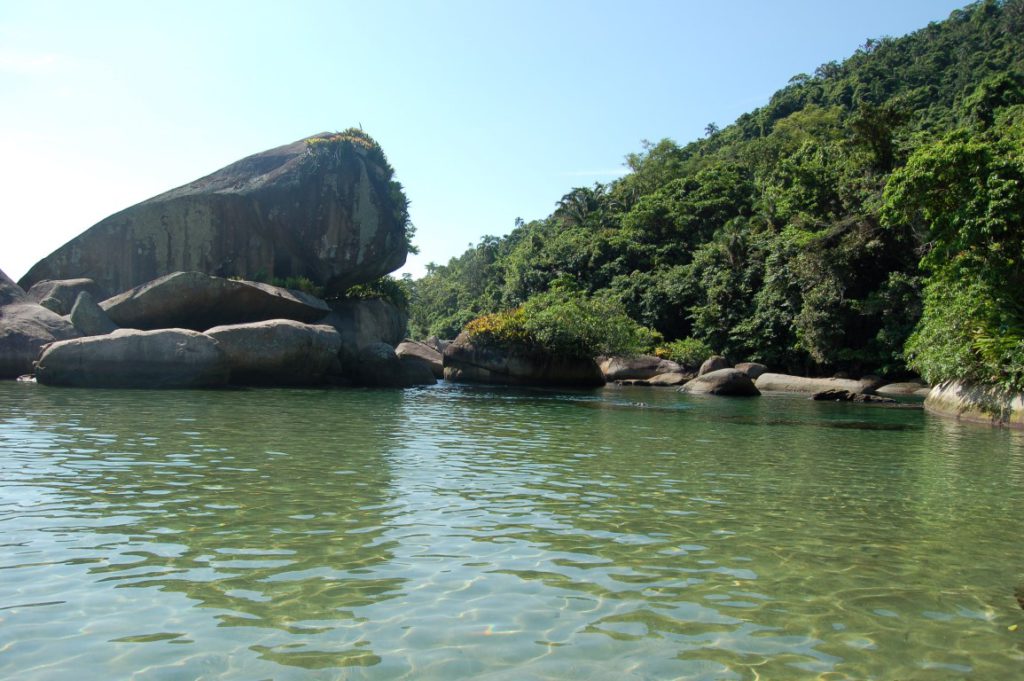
(450, 533)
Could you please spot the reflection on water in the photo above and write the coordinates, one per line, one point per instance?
(478, 533)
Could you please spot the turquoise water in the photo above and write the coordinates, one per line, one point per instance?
(450, 533)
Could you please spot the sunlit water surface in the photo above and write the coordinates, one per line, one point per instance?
(478, 533)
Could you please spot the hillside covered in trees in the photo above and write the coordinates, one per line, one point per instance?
(870, 217)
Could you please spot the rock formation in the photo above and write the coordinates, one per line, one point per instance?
(977, 403)
(278, 352)
(192, 300)
(800, 384)
(60, 295)
(840, 395)
(752, 369)
(409, 350)
(713, 363)
(89, 318)
(639, 367)
(25, 327)
(324, 207)
(908, 388)
(377, 366)
(365, 322)
(128, 358)
(725, 382)
(467, 362)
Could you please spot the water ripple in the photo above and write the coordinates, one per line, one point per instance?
(501, 534)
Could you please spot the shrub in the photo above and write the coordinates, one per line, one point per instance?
(688, 352)
(304, 284)
(501, 329)
(564, 323)
(386, 288)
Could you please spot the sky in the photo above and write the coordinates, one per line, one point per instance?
(488, 111)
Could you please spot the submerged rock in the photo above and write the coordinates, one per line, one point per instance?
(129, 358)
(278, 352)
(725, 382)
(840, 395)
(193, 300)
(25, 328)
(323, 207)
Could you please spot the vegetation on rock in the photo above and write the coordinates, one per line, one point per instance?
(563, 323)
(394, 291)
(875, 201)
(334, 150)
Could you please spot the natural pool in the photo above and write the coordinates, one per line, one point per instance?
(477, 533)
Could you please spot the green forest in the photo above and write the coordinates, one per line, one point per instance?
(868, 218)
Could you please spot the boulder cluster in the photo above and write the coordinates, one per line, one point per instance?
(193, 330)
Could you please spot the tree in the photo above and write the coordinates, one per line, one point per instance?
(965, 197)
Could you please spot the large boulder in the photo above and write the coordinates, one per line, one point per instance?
(60, 295)
(414, 350)
(725, 382)
(752, 369)
(366, 322)
(324, 207)
(377, 366)
(89, 318)
(799, 384)
(468, 362)
(713, 363)
(640, 366)
(193, 300)
(976, 403)
(278, 352)
(25, 327)
(129, 358)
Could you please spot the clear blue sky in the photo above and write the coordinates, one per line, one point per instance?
(487, 110)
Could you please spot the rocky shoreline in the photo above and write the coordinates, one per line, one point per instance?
(976, 403)
(192, 330)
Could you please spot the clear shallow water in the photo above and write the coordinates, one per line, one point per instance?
(450, 533)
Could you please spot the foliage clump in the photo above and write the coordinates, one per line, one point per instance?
(565, 324)
(304, 284)
(394, 291)
(687, 352)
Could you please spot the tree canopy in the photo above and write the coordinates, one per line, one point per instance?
(867, 218)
